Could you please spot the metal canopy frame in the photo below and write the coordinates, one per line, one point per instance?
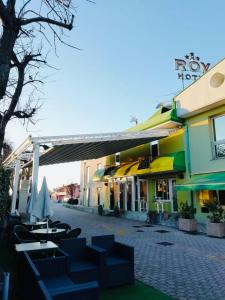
(35, 151)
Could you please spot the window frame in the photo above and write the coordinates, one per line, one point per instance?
(168, 188)
(214, 142)
(117, 162)
(151, 145)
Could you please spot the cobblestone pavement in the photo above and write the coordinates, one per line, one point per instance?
(192, 268)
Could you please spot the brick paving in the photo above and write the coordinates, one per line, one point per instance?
(192, 268)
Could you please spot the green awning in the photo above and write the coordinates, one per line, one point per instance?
(211, 181)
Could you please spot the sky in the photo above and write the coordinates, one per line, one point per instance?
(125, 67)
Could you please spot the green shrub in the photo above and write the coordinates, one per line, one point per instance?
(186, 211)
(5, 199)
(216, 211)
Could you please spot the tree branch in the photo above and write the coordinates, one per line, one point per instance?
(33, 81)
(20, 83)
(25, 4)
(49, 21)
(3, 14)
(22, 114)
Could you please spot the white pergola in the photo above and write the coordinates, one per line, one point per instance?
(35, 151)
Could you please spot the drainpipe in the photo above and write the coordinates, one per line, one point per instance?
(187, 153)
(188, 160)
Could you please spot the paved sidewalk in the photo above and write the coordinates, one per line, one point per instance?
(190, 267)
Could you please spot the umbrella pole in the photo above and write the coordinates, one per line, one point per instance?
(47, 230)
(47, 225)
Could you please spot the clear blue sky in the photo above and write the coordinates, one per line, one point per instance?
(126, 65)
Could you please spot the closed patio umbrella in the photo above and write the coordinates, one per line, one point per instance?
(30, 204)
(43, 206)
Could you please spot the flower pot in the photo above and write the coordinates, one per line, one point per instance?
(216, 229)
(189, 225)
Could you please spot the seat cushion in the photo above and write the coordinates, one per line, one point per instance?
(54, 283)
(116, 260)
(82, 265)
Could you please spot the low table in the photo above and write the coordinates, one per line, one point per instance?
(36, 246)
(48, 231)
(33, 225)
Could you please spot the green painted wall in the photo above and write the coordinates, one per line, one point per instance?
(200, 137)
(173, 143)
(200, 216)
(151, 193)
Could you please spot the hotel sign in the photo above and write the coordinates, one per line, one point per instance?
(190, 67)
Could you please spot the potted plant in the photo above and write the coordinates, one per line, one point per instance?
(215, 226)
(187, 220)
(118, 211)
(151, 217)
(100, 210)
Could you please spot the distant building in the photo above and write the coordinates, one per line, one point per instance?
(65, 192)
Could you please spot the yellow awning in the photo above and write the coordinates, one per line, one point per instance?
(173, 162)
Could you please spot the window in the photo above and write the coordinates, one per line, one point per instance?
(117, 159)
(154, 148)
(162, 189)
(219, 136)
(220, 195)
(209, 195)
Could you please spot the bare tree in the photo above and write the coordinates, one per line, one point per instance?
(25, 27)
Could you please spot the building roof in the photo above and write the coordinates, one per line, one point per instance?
(162, 118)
(62, 149)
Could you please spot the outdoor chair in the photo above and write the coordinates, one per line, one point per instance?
(22, 235)
(10, 226)
(119, 268)
(48, 278)
(4, 284)
(52, 225)
(86, 262)
(74, 233)
(65, 226)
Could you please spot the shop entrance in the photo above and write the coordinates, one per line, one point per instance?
(142, 194)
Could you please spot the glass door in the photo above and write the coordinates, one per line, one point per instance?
(142, 194)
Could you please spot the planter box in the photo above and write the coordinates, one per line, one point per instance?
(216, 229)
(189, 225)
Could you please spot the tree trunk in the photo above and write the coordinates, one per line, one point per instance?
(2, 135)
(7, 42)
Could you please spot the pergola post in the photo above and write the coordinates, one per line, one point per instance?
(133, 195)
(15, 186)
(34, 175)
